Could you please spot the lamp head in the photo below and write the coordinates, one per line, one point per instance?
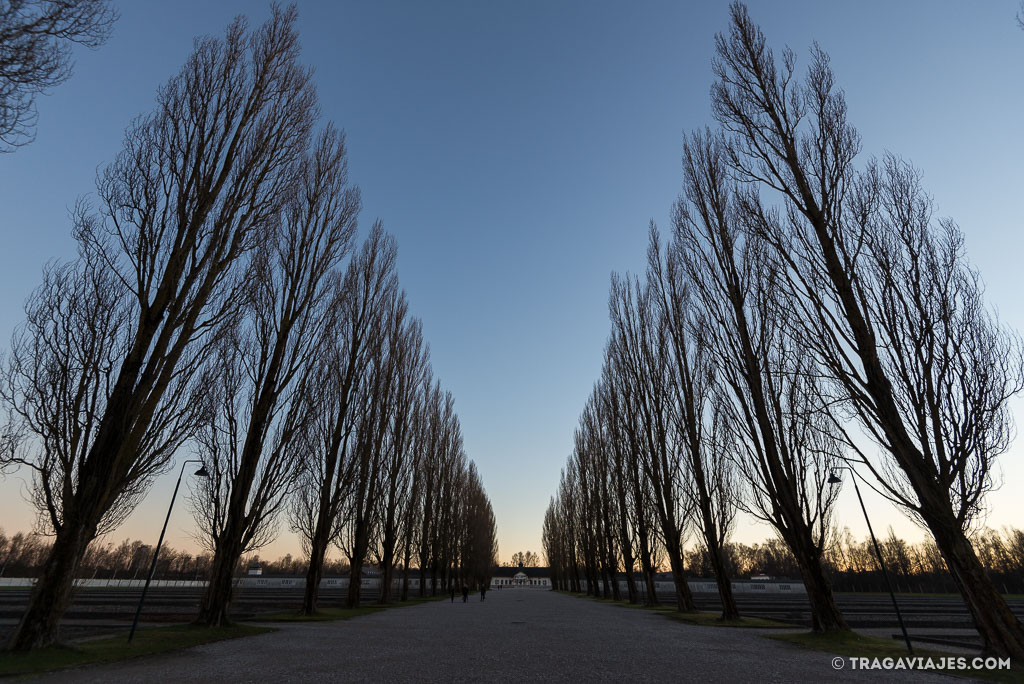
(202, 472)
(834, 479)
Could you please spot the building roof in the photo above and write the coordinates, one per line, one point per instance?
(531, 572)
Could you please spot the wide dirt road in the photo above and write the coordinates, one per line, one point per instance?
(516, 635)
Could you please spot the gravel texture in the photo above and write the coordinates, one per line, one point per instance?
(516, 635)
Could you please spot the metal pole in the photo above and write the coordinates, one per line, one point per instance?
(156, 554)
(881, 562)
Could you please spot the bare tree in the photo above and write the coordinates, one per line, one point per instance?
(55, 384)
(479, 552)
(371, 444)
(444, 439)
(698, 433)
(553, 543)
(639, 504)
(449, 507)
(784, 442)
(35, 55)
(357, 316)
(887, 301)
(617, 444)
(568, 497)
(584, 509)
(428, 399)
(198, 184)
(265, 366)
(601, 453)
(411, 364)
(640, 338)
(526, 558)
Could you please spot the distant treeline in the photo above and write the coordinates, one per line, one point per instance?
(22, 555)
(851, 564)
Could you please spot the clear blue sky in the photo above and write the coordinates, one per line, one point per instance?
(517, 150)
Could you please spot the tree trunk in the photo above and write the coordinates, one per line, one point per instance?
(730, 611)
(684, 597)
(321, 532)
(591, 570)
(355, 581)
(631, 586)
(387, 573)
(825, 614)
(651, 597)
(317, 553)
(387, 576)
(652, 589)
(216, 603)
(625, 542)
(389, 542)
(999, 628)
(406, 559)
(53, 589)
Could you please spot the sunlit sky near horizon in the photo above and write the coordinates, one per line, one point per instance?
(517, 151)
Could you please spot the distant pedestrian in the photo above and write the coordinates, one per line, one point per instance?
(465, 593)
(453, 593)
(483, 593)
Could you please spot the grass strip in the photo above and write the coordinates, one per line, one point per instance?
(705, 619)
(701, 618)
(148, 641)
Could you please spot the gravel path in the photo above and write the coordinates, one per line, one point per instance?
(515, 636)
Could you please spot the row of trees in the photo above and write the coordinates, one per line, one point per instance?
(219, 303)
(806, 312)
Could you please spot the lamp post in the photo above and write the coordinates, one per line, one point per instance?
(833, 480)
(156, 552)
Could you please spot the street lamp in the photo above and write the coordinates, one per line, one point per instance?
(202, 472)
(833, 480)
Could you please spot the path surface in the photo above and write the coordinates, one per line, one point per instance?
(514, 636)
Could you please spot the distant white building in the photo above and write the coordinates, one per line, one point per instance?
(533, 577)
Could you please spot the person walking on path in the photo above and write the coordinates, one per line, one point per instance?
(483, 593)
(465, 593)
(453, 593)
